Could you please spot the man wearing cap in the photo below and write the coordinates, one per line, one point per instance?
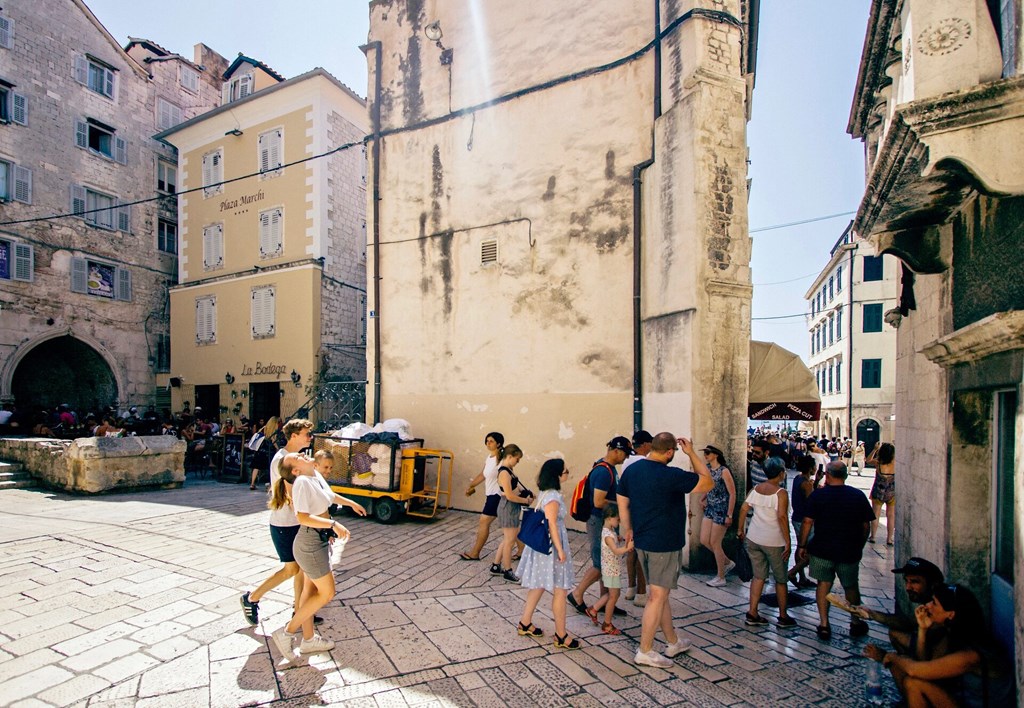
(603, 482)
(919, 577)
(840, 517)
(636, 589)
(652, 513)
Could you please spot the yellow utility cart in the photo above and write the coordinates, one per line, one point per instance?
(390, 477)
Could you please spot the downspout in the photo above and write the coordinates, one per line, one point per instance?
(375, 162)
(657, 59)
(638, 396)
(849, 355)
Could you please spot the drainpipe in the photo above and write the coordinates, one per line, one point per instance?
(657, 59)
(849, 354)
(638, 400)
(375, 162)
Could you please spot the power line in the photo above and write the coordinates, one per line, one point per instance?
(803, 221)
(805, 314)
(791, 280)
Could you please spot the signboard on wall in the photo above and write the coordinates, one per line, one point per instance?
(234, 456)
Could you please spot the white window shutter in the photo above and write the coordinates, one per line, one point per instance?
(121, 150)
(81, 70)
(82, 134)
(275, 149)
(124, 218)
(213, 247)
(271, 227)
(24, 262)
(19, 109)
(225, 93)
(79, 275)
(6, 33)
(78, 200)
(264, 152)
(263, 312)
(124, 284)
(245, 85)
(206, 320)
(22, 184)
(108, 83)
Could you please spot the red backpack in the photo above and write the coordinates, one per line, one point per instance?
(583, 496)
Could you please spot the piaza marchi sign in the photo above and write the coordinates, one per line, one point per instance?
(229, 204)
(261, 369)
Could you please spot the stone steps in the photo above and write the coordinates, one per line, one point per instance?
(14, 476)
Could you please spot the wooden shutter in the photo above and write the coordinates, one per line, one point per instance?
(108, 83)
(213, 246)
(225, 93)
(22, 184)
(206, 319)
(78, 201)
(270, 150)
(263, 312)
(271, 225)
(123, 284)
(81, 72)
(124, 218)
(120, 150)
(264, 156)
(24, 262)
(79, 275)
(244, 85)
(19, 109)
(6, 32)
(82, 134)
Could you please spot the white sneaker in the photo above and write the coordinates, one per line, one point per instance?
(640, 600)
(678, 648)
(652, 658)
(630, 593)
(315, 645)
(716, 582)
(729, 567)
(283, 642)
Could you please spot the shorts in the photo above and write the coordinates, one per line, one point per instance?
(283, 538)
(594, 526)
(661, 569)
(825, 571)
(763, 558)
(611, 581)
(491, 505)
(312, 554)
(509, 513)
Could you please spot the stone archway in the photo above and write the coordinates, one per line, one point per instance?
(67, 370)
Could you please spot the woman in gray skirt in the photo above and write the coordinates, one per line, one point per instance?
(312, 497)
(510, 508)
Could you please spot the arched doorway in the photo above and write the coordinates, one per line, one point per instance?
(64, 370)
(868, 432)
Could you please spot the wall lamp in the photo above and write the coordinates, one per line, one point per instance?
(434, 34)
(296, 377)
(229, 379)
(234, 131)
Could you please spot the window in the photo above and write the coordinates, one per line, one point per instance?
(168, 114)
(100, 139)
(489, 252)
(100, 279)
(166, 177)
(362, 318)
(17, 261)
(872, 268)
(189, 78)
(839, 380)
(163, 354)
(830, 386)
(13, 106)
(236, 88)
(270, 151)
(100, 209)
(263, 312)
(213, 247)
(6, 32)
(213, 173)
(1008, 36)
(839, 323)
(831, 330)
(871, 373)
(271, 227)
(206, 319)
(812, 307)
(167, 235)
(839, 279)
(872, 316)
(812, 343)
(15, 183)
(95, 75)
(831, 288)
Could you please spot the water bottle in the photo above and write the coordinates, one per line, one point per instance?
(873, 692)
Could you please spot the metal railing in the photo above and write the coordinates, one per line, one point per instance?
(335, 404)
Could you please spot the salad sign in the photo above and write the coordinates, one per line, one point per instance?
(101, 280)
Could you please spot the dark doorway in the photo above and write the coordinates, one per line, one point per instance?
(264, 400)
(208, 398)
(868, 432)
(64, 370)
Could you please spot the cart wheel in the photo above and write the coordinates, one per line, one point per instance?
(386, 510)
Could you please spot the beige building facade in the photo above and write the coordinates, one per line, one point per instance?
(83, 298)
(270, 299)
(939, 104)
(852, 349)
(558, 229)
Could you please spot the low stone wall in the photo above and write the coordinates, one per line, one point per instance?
(96, 465)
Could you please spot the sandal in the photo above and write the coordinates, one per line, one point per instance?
(467, 557)
(592, 614)
(824, 633)
(561, 643)
(530, 630)
(609, 628)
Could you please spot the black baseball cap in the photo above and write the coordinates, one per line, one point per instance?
(620, 443)
(642, 437)
(919, 566)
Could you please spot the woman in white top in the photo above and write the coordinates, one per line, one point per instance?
(495, 443)
(312, 497)
(768, 541)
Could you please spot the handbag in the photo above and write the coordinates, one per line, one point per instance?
(744, 570)
(533, 531)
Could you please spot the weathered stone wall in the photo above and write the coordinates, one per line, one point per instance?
(95, 465)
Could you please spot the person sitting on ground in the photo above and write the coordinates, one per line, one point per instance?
(968, 669)
(919, 578)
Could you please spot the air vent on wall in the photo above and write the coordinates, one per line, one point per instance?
(489, 252)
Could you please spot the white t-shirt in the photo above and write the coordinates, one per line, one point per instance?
(285, 516)
(629, 460)
(821, 458)
(764, 528)
(312, 495)
(491, 485)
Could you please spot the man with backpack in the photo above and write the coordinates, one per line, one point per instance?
(588, 505)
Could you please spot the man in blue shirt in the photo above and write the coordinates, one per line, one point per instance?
(652, 513)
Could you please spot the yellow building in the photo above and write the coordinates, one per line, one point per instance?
(271, 296)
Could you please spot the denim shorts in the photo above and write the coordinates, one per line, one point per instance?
(283, 538)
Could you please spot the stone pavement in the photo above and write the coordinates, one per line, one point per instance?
(132, 600)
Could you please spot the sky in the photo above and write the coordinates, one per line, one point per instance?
(803, 163)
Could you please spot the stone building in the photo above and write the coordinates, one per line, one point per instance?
(558, 233)
(271, 292)
(939, 104)
(852, 350)
(87, 215)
